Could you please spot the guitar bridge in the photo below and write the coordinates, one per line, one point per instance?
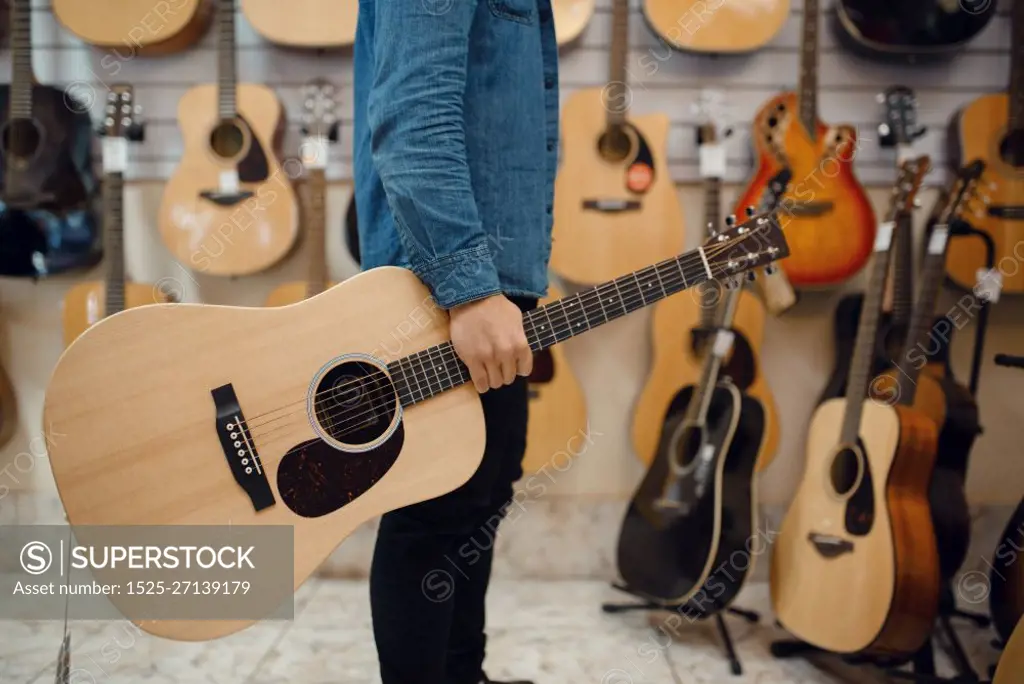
(830, 546)
(611, 206)
(226, 199)
(239, 448)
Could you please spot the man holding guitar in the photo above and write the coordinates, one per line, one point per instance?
(456, 146)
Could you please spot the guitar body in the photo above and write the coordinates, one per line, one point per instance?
(1006, 578)
(833, 246)
(888, 345)
(269, 356)
(882, 576)
(683, 558)
(590, 246)
(305, 23)
(289, 293)
(138, 25)
(677, 364)
(1011, 662)
(719, 28)
(243, 237)
(85, 304)
(352, 231)
(60, 232)
(8, 409)
(571, 17)
(981, 133)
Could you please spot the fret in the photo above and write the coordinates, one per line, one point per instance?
(22, 77)
(409, 369)
(646, 279)
(579, 312)
(617, 92)
(432, 385)
(400, 383)
(903, 269)
(548, 328)
(1015, 91)
(616, 300)
(439, 364)
(227, 61)
(712, 204)
(113, 217)
(562, 334)
(316, 186)
(639, 287)
(808, 93)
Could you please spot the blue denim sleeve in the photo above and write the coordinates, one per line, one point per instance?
(415, 113)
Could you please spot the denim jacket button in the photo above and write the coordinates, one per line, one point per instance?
(551, 146)
(549, 83)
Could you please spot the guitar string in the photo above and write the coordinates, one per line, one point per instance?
(446, 355)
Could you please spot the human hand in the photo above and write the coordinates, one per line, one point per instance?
(488, 336)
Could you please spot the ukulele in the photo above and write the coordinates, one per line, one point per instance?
(88, 302)
(616, 207)
(558, 411)
(320, 128)
(991, 128)
(229, 209)
(310, 415)
(857, 541)
(1011, 662)
(1006, 577)
(304, 23)
(826, 214)
(141, 26)
(48, 223)
(680, 327)
(718, 28)
(571, 17)
(696, 506)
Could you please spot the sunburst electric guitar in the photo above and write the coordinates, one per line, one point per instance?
(826, 214)
(229, 209)
(303, 415)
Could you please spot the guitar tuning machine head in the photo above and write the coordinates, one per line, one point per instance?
(730, 220)
(770, 269)
(751, 276)
(730, 283)
(880, 98)
(750, 211)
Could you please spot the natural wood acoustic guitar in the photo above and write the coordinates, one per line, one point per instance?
(991, 128)
(320, 126)
(86, 303)
(1011, 662)
(827, 216)
(616, 207)
(857, 541)
(304, 23)
(229, 209)
(136, 26)
(1006, 577)
(571, 17)
(716, 27)
(318, 416)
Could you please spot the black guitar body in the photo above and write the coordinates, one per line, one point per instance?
(888, 345)
(48, 215)
(700, 554)
(910, 30)
(352, 231)
(1006, 578)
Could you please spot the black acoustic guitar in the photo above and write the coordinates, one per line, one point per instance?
(352, 230)
(910, 29)
(48, 217)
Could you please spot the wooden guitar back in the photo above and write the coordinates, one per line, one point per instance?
(590, 246)
(722, 28)
(152, 28)
(304, 23)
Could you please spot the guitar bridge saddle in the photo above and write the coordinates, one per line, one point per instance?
(830, 546)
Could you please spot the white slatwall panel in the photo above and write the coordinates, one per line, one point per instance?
(848, 85)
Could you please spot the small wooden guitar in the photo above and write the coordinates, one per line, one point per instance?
(304, 23)
(558, 411)
(827, 216)
(48, 221)
(1006, 577)
(88, 302)
(571, 17)
(308, 415)
(136, 25)
(616, 207)
(1011, 662)
(719, 28)
(229, 209)
(857, 541)
(320, 128)
(991, 128)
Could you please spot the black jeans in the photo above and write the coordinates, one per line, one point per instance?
(432, 561)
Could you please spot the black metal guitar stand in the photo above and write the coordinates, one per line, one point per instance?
(696, 614)
(962, 228)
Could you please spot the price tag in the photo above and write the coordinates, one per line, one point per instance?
(229, 181)
(313, 152)
(937, 240)
(723, 343)
(712, 161)
(883, 238)
(989, 284)
(115, 155)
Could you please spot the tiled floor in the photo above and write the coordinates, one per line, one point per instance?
(552, 632)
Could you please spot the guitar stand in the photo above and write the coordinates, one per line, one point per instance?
(961, 228)
(723, 629)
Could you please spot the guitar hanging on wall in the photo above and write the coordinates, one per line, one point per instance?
(616, 207)
(229, 209)
(717, 28)
(136, 26)
(571, 17)
(304, 23)
(48, 222)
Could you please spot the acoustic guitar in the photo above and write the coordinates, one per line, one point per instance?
(320, 128)
(696, 506)
(826, 214)
(8, 409)
(857, 540)
(87, 302)
(1006, 577)
(558, 411)
(681, 325)
(991, 128)
(229, 209)
(616, 207)
(571, 17)
(716, 27)
(352, 230)
(334, 423)
(1011, 662)
(48, 221)
(139, 26)
(304, 23)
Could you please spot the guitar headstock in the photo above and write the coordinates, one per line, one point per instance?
(320, 124)
(899, 127)
(121, 125)
(710, 140)
(775, 189)
(967, 193)
(739, 249)
(908, 183)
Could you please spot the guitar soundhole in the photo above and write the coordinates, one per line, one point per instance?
(354, 404)
(22, 139)
(1011, 150)
(227, 140)
(845, 473)
(543, 368)
(614, 144)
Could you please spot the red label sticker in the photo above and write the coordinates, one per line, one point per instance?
(639, 178)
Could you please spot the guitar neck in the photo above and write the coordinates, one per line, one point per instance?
(617, 92)
(932, 275)
(902, 275)
(712, 211)
(1016, 89)
(808, 94)
(227, 61)
(316, 187)
(113, 222)
(697, 411)
(20, 106)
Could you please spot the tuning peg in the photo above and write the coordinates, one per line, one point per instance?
(770, 269)
(730, 220)
(712, 232)
(880, 98)
(751, 276)
(921, 130)
(730, 283)
(917, 202)
(750, 210)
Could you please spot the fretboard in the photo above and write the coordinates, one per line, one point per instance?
(903, 269)
(113, 225)
(697, 410)
(316, 188)
(808, 93)
(712, 211)
(425, 374)
(227, 69)
(1016, 89)
(617, 92)
(20, 106)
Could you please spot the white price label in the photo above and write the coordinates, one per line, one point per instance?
(989, 285)
(115, 155)
(712, 161)
(723, 343)
(883, 238)
(229, 181)
(937, 240)
(313, 152)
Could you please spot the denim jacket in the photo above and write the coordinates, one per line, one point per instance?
(456, 142)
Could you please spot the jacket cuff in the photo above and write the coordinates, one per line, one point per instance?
(460, 277)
